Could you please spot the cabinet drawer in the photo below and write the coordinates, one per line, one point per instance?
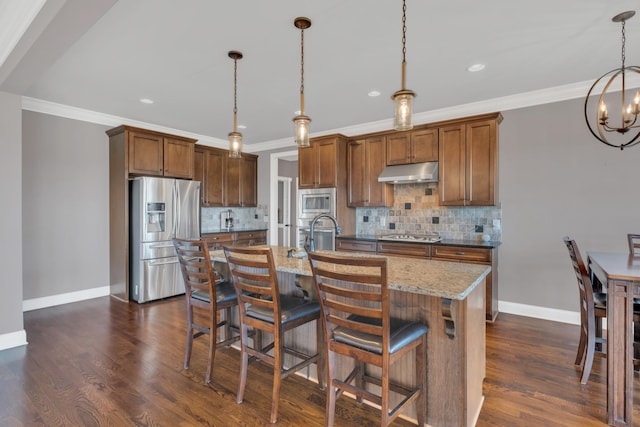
(355, 245)
(218, 240)
(251, 235)
(461, 253)
(416, 250)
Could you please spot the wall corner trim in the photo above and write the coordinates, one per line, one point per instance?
(13, 339)
(553, 314)
(53, 300)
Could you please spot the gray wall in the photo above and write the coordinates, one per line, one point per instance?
(11, 214)
(65, 205)
(556, 179)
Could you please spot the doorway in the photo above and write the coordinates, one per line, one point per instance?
(284, 211)
(274, 202)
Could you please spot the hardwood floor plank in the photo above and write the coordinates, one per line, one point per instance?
(106, 363)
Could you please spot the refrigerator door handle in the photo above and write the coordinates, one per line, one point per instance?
(176, 211)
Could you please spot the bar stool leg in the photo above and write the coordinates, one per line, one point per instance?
(244, 362)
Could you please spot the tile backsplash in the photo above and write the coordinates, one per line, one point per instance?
(416, 211)
(242, 218)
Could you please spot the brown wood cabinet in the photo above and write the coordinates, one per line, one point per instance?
(250, 238)
(226, 182)
(413, 250)
(156, 154)
(217, 241)
(366, 158)
(355, 245)
(468, 163)
(412, 147)
(318, 164)
(485, 256)
(209, 169)
(242, 181)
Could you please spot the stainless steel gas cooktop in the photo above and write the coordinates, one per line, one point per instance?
(423, 238)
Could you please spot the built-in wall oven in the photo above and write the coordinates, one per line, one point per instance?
(311, 203)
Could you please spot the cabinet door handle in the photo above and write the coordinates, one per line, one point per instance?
(460, 253)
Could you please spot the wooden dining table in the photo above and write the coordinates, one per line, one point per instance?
(621, 274)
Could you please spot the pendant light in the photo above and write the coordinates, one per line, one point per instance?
(301, 122)
(235, 137)
(626, 115)
(404, 97)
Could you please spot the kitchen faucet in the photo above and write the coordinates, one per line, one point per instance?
(312, 245)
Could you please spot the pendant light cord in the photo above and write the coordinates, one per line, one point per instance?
(235, 95)
(302, 71)
(404, 42)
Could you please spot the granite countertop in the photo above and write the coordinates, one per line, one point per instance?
(231, 230)
(436, 278)
(444, 242)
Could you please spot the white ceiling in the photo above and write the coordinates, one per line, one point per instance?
(175, 52)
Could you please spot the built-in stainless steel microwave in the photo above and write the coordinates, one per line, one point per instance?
(315, 201)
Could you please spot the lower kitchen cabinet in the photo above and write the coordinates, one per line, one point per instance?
(250, 238)
(472, 255)
(413, 250)
(355, 245)
(217, 241)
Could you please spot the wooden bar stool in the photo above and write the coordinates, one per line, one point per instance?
(264, 309)
(634, 243)
(206, 294)
(354, 298)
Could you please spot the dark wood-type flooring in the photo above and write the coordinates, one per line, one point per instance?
(106, 363)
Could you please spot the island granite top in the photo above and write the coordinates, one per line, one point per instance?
(421, 276)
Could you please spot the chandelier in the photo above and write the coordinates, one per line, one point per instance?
(235, 137)
(620, 129)
(404, 97)
(301, 122)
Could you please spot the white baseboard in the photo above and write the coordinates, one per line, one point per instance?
(53, 300)
(13, 339)
(564, 316)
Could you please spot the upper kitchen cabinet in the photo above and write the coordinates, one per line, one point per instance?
(468, 162)
(226, 182)
(209, 169)
(366, 159)
(241, 181)
(415, 146)
(150, 153)
(318, 164)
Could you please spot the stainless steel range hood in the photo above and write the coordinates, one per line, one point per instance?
(415, 172)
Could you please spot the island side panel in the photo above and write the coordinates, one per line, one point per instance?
(455, 356)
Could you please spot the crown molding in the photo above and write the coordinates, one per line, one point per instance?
(75, 113)
(505, 103)
(15, 18)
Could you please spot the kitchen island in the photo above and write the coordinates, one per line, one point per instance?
(449, 299)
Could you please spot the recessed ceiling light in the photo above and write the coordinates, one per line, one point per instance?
(146, 100)
(475, 67)
(374, 93)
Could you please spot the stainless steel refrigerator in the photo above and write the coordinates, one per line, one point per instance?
(161, 209)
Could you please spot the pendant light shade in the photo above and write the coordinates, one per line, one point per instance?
(404, 97)
(301, 121)
(616, 127)
(235, 137)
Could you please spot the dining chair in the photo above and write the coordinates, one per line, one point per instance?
(593, 308)
(354, 299)
(206, 293)
(265, 310)
(634, 243)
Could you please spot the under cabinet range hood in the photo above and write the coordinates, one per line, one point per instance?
(405, 174)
